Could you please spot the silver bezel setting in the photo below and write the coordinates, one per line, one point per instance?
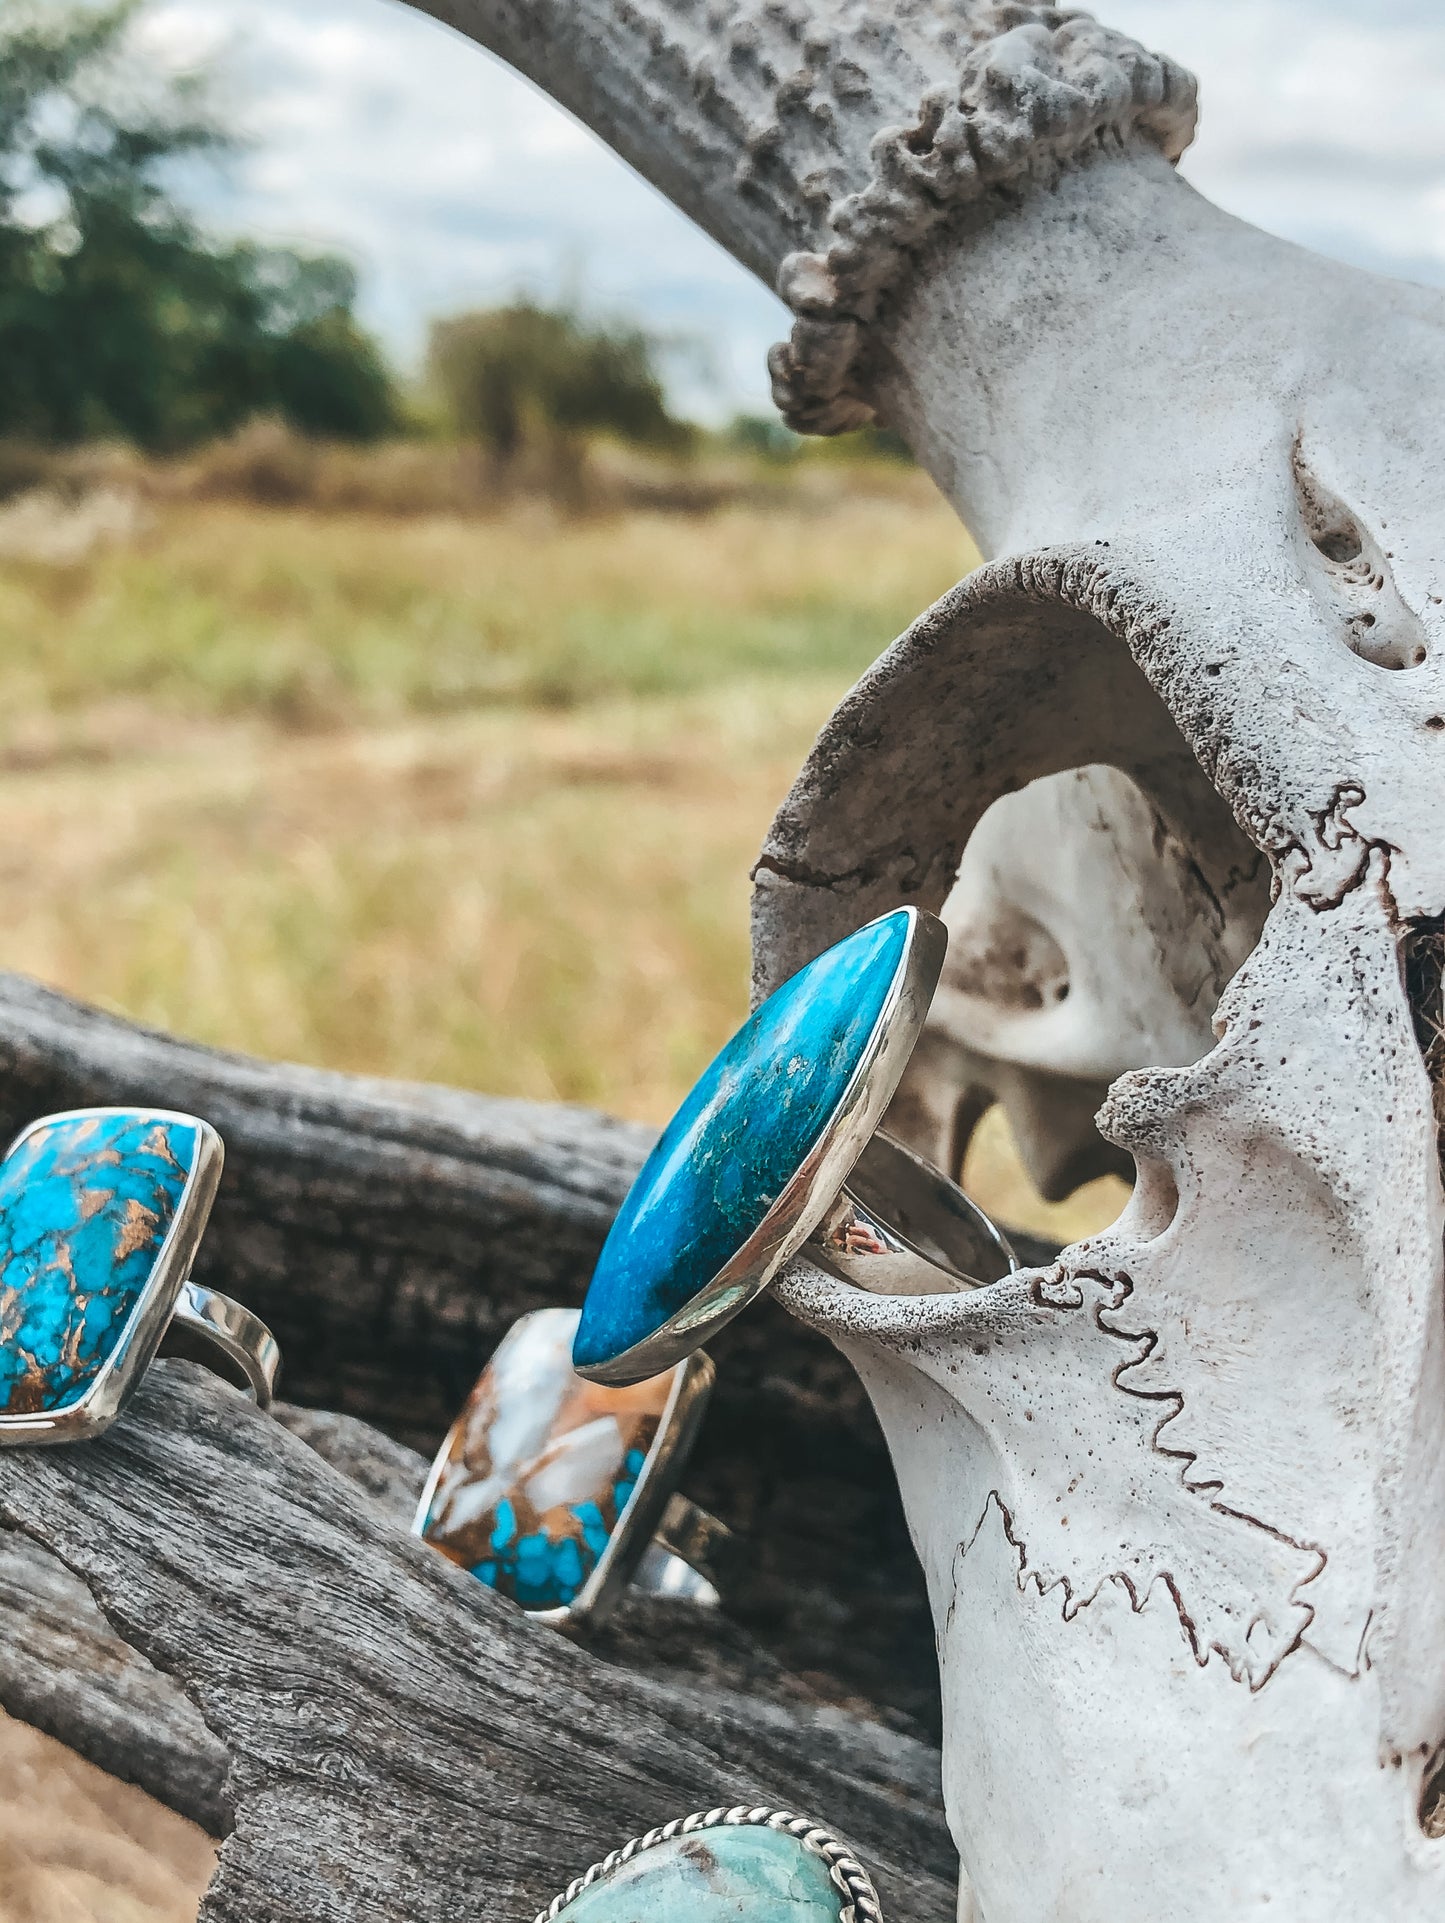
(811, 1192)
(677, 1430)
(858, 1898)
(94, 1411)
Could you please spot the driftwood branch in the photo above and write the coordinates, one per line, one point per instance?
(228, 1610)
(390, 1234)
(401, 1742)
(64, 1670)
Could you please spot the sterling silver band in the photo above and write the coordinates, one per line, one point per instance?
(241, 1337)
(899, 1227)
(681, 1560)
(529, 1397)
(168, 1300)
(660, 1573)
(857, 1202)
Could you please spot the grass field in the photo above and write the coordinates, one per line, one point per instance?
(468, 800)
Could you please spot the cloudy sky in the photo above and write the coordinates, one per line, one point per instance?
(451, 182)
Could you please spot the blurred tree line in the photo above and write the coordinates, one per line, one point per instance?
(516, 374)
(120, 319)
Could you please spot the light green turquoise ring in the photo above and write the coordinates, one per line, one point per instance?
(722, 1864)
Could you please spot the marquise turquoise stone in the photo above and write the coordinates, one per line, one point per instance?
(738, 1139)
(86, 1203)
(724, 1875)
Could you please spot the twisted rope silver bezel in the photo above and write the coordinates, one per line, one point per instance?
(859, 1898)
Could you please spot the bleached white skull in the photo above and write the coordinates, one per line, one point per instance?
(1180, 1498)
(1083, 942)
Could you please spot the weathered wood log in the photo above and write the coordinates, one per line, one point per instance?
(390, 1233)
(401, 1741)
(64, 1670)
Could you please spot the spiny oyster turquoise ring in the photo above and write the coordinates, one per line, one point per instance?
(779, 1145)
(558, 1493)
(101, 1213)
(722, 1865)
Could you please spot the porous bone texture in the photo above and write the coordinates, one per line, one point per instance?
(824, 142)
(1084, 940)
(1180, 1500)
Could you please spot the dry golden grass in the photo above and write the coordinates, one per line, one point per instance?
(543, 905)
(308, 621)
(464, 800)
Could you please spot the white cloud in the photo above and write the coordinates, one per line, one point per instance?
(451, 181)
(1320, 121)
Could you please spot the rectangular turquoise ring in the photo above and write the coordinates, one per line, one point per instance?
(101, 1213)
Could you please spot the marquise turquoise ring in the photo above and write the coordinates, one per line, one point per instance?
(778, 1146)
(719, 1865)
(101, 1214)
(558, 1493)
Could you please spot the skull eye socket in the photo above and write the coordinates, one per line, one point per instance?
(1089, 937)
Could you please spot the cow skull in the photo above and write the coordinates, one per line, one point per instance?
(1180, 1498)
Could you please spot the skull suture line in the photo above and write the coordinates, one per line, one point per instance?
(1180, 1498)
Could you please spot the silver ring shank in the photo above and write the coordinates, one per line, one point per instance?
(677, 1562)
(900, 1227)
(660, 1573)
(242, 1337)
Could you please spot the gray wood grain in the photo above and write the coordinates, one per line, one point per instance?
(402, 1743)
(63, 1669)
(390, 1234)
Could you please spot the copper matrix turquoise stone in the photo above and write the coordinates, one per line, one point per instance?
(738, 1139)
(86, 1203)
(541, 1467)
(723, 1875)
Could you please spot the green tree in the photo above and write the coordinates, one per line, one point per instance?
(117, 316)
(514, 373)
